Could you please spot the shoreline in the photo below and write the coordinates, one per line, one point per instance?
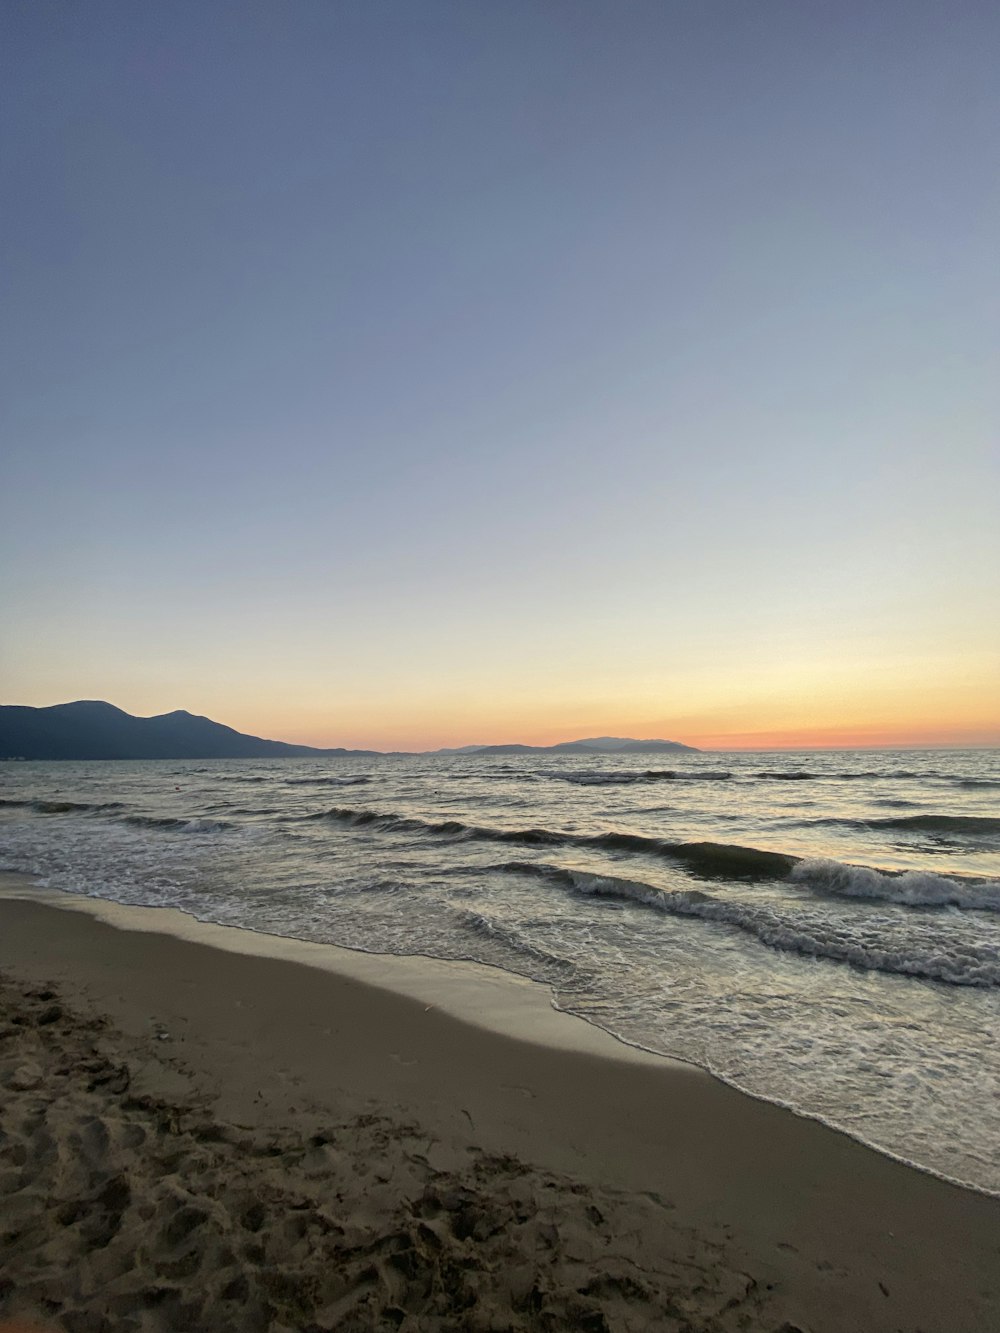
(834, 1235)
(478, 993)
(481, 994)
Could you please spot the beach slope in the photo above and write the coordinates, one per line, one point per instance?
(197, 1134)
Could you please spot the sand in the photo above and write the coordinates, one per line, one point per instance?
(199, 1135)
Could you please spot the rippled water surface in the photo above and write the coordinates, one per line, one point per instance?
(819, 929)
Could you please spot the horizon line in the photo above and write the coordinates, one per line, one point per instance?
(759, 744)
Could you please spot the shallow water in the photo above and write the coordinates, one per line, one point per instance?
(820, 929)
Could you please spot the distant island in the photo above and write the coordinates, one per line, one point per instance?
(593, 745)
(90, 729)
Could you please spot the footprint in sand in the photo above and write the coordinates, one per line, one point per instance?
(514, 1087)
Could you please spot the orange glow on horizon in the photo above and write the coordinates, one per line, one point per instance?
(845, 737)
(853, 738)
(787, 706)
(738, 709)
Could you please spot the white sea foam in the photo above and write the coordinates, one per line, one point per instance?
(876, 943)
(915, 888)
(820, 986)
(205, 826)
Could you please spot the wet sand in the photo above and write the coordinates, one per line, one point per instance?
(198, 1134)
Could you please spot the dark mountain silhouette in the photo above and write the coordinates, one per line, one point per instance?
(93, 730)
(595, 745)
(89, 729)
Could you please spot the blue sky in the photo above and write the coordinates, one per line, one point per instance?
(398, 373)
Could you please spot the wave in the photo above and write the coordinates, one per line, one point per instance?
(61, 807)
(512, 939)
(884, 775)
(867, 775)
(180, 824)
(191, 824)
(454, 828)
(927, 823)
(956, 961)
(712, 860)
(715, 860)
(913, 888)
(943, 823)
(587, 779)
(327, 782)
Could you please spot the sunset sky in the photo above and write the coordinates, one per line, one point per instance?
(404, 374)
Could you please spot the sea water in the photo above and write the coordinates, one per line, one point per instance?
(819, 929)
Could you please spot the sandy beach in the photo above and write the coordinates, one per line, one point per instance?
(206, 1128)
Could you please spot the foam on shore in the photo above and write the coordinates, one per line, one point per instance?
(204, 1073)
(484, 996)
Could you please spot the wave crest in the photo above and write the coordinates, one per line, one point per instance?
(61, 807)
(179, 824)
(627, 779)
(953, 960)
(962, 825)
(913, 888)
(712, 860)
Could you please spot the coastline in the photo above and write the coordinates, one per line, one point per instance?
(793, 1222)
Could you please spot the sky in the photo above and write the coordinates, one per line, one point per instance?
(404, 373)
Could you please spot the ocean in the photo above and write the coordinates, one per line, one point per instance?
(820, 929)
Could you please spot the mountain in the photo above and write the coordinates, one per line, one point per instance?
(621, 745)
(93, 730)
(89, 729)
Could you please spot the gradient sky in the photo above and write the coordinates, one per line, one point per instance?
(418, 373)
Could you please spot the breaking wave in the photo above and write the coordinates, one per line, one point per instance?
(944, 956)
(913, 888)
(714, 860)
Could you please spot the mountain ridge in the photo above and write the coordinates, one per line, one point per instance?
(92, 729)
